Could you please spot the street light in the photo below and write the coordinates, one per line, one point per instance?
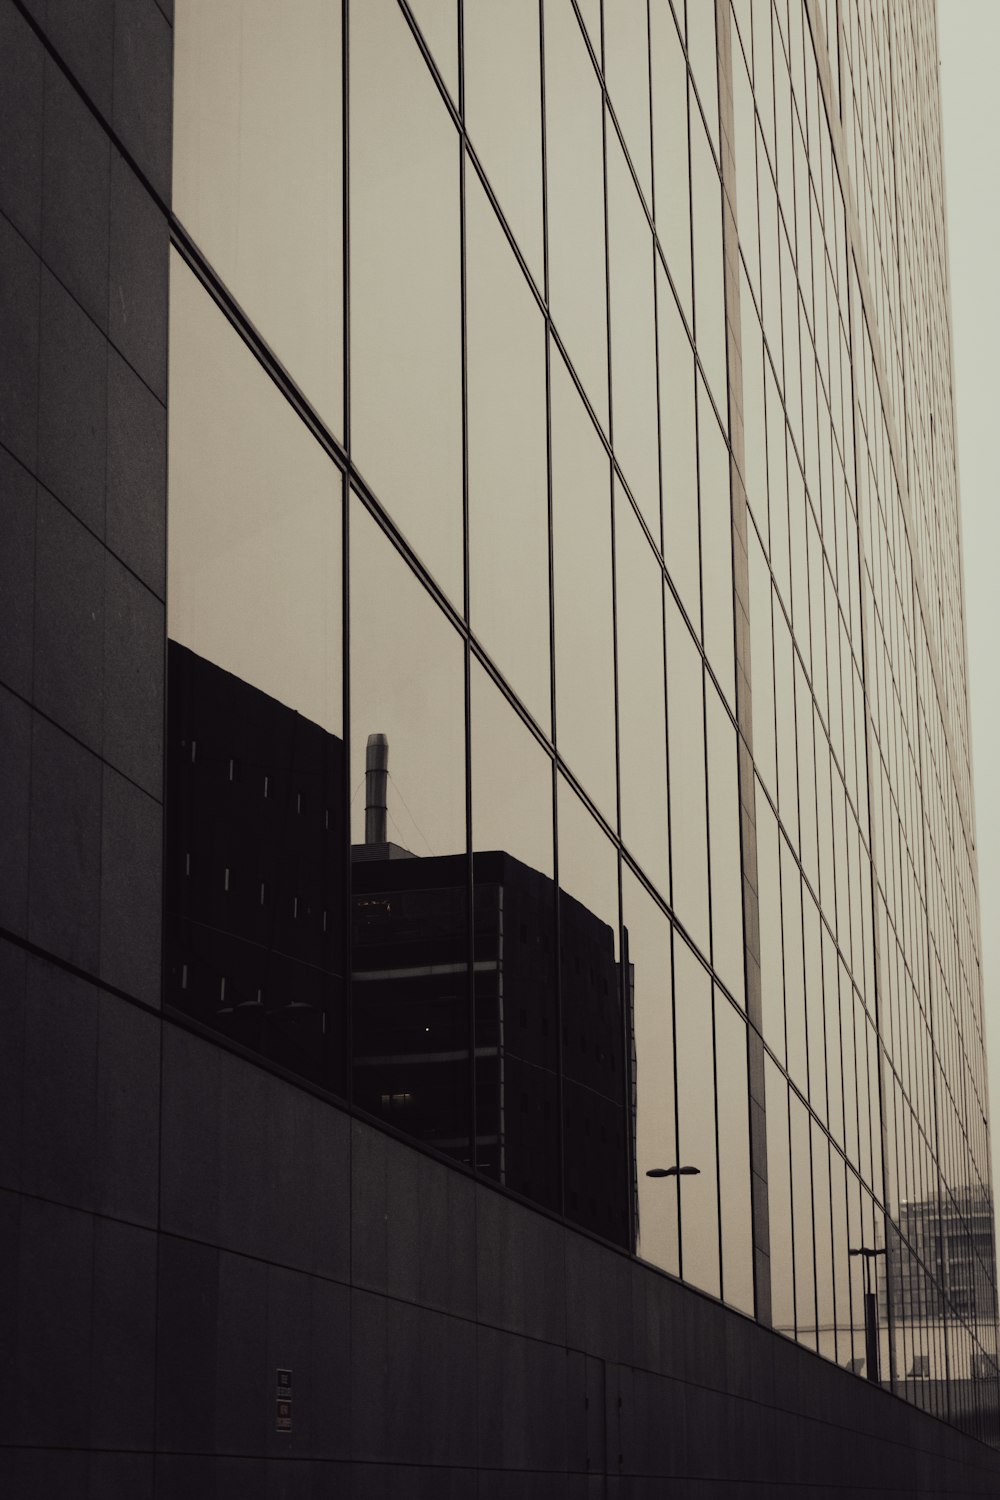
(871, 1310)
(673, 1172)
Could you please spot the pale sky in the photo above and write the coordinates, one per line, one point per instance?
(969, 42)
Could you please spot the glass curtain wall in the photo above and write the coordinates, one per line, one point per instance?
(456, 823)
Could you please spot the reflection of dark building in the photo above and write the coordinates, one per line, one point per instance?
(256, 867)
(411, 1026)
(255, 871)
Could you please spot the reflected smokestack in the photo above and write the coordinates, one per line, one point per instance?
(376, 789)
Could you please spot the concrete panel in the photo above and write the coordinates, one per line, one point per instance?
(413, 1399)
(64, 858)
(69, 622)
(412, 1224)
(76, 175)
(253, 1163)
(134, 631)
(522, 1390)
(123, 1362)
(17, 574)
(15, 783)
(127, 1111)
(143, 83)
(131, 834)
(136, 487)
(19, 293)
(52, 1350)
(59, 1140)
(520, 1268)
(84, 40)
(21, 60)
(72, 405)
(137, 296)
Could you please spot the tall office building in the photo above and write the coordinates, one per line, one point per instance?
(490, 980)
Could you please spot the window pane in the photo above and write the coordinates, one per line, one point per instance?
(633, 338)
(805, 1275)
(734, 1155)
(595, 1055)
(709, 295)
(406, 365)
(696, 1120)
(716, 546)
(508, 485)
(642, 722)
(258, 173)
(779, 1201)
(254, 871)
(438, 20)
(685, 727)
(726, 859)
(670, 149)
(517, 1028)
(647, 953)
(410, 980)
(255, 518)
(503, 113)
(575, 166)
(679, 458)
(581, 516)
(626, 69)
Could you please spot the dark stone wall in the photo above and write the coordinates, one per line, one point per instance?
(176, 1223)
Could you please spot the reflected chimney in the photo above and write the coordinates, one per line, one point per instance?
(376, 789)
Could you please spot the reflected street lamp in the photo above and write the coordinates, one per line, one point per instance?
(871, 1310)
(673, 1172)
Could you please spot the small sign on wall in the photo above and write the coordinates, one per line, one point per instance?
(283, 1402)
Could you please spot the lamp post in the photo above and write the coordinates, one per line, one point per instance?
(868, 1253)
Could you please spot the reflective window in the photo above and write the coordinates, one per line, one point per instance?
(734, 1155)
(709, 302)
(678, 454)
(642, 745)
(508, 486)
(670, 149)
(702, 52)
(438, 22)
(772, 987)
(696, 1120)
(686, 736)
(514, 910)
(574, 149)
(596, 1026)
(258, 173)
(779, 1201)
(406, 353)
(254, 870)
(724, 845)
(409, 911)
(255, 519)
(503, 113)
(646, 956)
(802, 1222)
(633, 338)
(626, 70)
(584, 616)
(716, 546)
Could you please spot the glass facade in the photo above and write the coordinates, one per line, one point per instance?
(568, 746)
